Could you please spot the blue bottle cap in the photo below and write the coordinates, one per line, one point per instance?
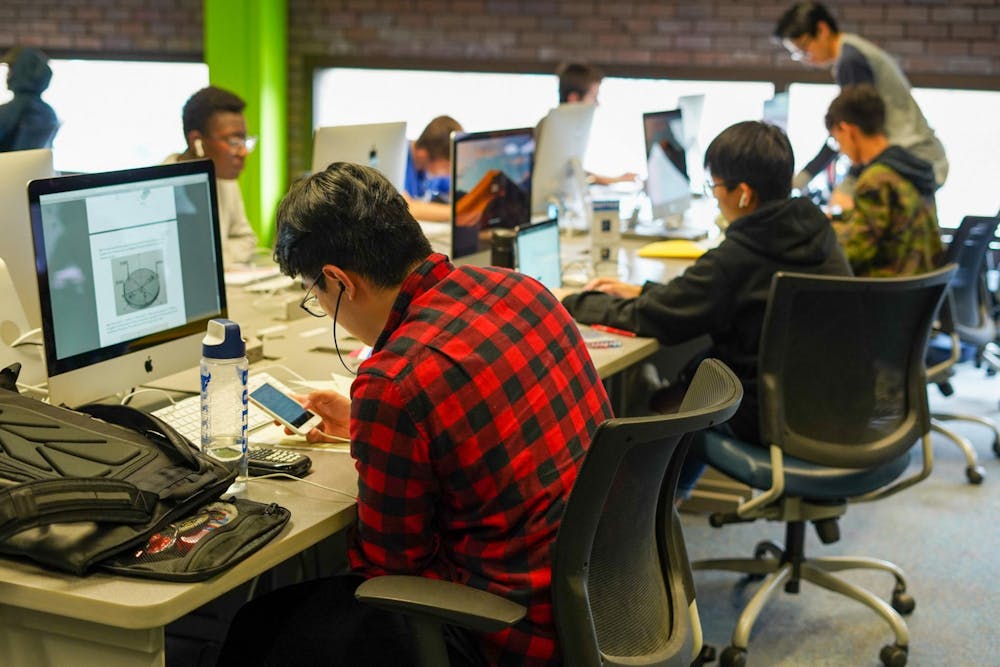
(223, 340)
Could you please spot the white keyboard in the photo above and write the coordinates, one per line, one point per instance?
(185, 414)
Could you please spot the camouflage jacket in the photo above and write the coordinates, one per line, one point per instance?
(893, 228)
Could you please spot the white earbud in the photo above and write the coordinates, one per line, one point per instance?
(743, 201)
(199, 148)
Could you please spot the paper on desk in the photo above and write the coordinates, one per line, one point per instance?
(338, 383)
(249, 274)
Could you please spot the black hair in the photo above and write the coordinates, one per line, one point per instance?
(803, 19)
(207, 101)
(754, 153)
(349, 215)
(576, 78)
(859, 105)
(436, 137)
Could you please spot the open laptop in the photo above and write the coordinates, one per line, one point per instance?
(536, 252)
(379, 145)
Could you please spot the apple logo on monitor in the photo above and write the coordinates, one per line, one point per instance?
(148, 365)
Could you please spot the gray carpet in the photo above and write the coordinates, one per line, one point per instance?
(943, 532)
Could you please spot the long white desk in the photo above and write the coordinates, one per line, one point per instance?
(48, 618)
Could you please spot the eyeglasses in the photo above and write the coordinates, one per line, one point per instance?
(237, 143)
(310, 302)
(799, 50)
(708, 187)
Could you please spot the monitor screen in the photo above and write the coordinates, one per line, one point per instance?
(491, 185)
(129, 270)
(536, 251)
(562, 138)
(17, 169)
(667, 182)
(382, 146)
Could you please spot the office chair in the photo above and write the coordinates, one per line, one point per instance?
(965, 320)
(622, 587)
(843, 399)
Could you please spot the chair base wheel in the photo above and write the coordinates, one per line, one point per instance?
(892, 655)
(975, 474)
(903, 602)
(733, 657)
(763, 549)
(996, 446)
(705, 657)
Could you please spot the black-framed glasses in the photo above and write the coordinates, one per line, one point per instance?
(310, 302)
(708, 187)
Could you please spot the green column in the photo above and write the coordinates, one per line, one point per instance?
(245, 49)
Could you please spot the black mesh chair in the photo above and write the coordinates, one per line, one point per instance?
(965, 319)
(622, 588)
(843, 400)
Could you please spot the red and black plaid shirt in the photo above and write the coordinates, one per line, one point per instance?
(468, 425)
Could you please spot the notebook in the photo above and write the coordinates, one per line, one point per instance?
(672, 249)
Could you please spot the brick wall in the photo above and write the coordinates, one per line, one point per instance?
(938, 42)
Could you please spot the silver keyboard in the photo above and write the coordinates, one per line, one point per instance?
(185, 414)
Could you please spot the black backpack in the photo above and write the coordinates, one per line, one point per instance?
(116, 486)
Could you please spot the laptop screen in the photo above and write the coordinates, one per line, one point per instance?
(537, 252)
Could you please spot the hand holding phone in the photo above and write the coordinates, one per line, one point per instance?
(285, 409)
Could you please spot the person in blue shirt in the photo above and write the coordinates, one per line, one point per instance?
(27, 121)
(428, 171)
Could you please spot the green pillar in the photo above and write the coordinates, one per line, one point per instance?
(245, 49)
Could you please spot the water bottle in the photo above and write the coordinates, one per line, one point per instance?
(224, 371)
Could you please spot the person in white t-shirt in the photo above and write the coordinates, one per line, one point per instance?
(214, 127)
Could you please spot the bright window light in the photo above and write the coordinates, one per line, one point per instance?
(116, 114)
(489, 101)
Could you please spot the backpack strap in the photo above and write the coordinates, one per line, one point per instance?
(175, 445)
(46, 501)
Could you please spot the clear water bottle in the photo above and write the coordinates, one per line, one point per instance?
(224, 371)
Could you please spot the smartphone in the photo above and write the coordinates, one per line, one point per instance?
(285, 409)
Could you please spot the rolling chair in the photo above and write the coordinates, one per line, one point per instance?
(843, 399)
(965, 320)
(622, 587)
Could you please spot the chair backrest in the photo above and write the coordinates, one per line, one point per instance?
(967, 249)
(621, 579)
(842, 376)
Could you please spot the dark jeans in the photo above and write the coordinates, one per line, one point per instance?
(320, 622)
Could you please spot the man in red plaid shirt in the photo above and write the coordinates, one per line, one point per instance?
(468, 425)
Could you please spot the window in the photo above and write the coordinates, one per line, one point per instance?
(116, 114)
(488, 101)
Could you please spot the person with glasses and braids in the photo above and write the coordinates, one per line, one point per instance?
(214, 128)
(468, 423)
(723, 295)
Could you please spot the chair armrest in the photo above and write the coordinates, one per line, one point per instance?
(443, 601)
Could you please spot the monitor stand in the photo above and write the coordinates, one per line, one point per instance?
(17, 341)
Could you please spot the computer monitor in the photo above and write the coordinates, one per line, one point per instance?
(667, 182)
(17, 168)
(490, 184)
(379, 145)
(560, 145)
(129, 272)
(776, 111)
(536, 252)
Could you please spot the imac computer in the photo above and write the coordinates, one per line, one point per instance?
(561, 143)
(490, 185)
(667, 182)
(379, 145)
(17, 168)
(129, 272)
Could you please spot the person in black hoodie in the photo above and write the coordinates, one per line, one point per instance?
(890, 226)
(724, 293)
(27, 121)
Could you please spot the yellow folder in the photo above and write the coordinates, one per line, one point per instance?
(672, 249)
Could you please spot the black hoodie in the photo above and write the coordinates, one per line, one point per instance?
(27, 121)
(724, 293)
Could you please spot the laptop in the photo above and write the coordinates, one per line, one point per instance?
(536, 252)
(382, 146)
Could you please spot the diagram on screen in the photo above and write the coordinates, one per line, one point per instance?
(138, 281)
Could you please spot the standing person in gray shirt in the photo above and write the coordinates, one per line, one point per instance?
(809, 32)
